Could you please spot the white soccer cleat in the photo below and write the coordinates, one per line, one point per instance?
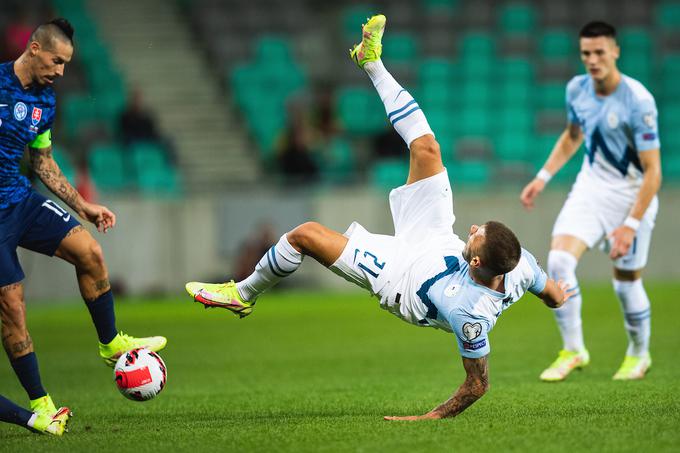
(566, 362)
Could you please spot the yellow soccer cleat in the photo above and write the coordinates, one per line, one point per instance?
(123, 343)
(56, 424)
(223, 295)
(44, 406)
(566, 362)
(370, 47)
(633, 368)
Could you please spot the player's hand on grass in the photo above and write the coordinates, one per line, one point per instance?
(99, 215)
(530, 192)
(621, 239)
(414, 418)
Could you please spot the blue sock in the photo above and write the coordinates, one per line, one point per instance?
(11, 413)
(103, 317)
(26, 369)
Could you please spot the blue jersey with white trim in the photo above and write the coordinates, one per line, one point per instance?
(456, 303)
(616, 129)
(24, 114)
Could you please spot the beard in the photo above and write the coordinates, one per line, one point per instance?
(466, 253)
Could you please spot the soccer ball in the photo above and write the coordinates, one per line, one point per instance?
(140, 374)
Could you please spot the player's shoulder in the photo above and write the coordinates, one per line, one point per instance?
(635, 88)
(578, 83)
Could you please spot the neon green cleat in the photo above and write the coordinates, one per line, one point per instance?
(123, 343)
(566, 362)
(370, 47)
(56, 424)
(44, 406)
(633, 368)
(224, 295)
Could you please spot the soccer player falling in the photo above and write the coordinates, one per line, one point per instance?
(613, 202)
(34, 222)
(424, 274)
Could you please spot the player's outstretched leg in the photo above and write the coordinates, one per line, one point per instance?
(279, 262)
(84, 252)
(402, 110)
(55, 424)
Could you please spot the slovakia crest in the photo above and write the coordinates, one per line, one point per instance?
(20, 111)
(36, 116)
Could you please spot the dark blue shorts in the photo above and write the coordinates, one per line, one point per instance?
(36, 223)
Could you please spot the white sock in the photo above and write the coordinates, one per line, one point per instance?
(280, 261)
(402, 110)
(31, 421)
(562, 266)
(637, 314)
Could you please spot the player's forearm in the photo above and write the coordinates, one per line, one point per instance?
(551, 295)
(651, 183)
(470, 391)
(50, 174)
(564, 149)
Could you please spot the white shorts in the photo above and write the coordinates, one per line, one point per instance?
(591, 214)
(423, 218)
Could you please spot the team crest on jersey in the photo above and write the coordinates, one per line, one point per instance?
(36, 116)
(648, 119)
(451, 291)
(20, 111)
(472, 331)
(613, 120)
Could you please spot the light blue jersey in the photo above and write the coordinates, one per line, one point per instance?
(616, 129)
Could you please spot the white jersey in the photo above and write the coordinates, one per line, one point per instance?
(616, 129)
(419, 274)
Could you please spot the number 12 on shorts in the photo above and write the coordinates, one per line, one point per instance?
(368, 262)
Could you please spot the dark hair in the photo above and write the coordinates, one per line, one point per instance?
(597, 28)
(46, 33)
(501, 250)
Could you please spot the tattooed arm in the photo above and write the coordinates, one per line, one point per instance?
(44, 165)
(475, 386)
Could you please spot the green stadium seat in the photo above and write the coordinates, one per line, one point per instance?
(437, 96)
(668, 15)
(551, 96)
(339, 162)
(516, 69)
(517, 18)
(108, 168)
(514, 93)
(273, 49)
(558, 44)
(65, 163)
(80, 113)
(399, 48)
(437, 70)
(469, 175)
(153, 173)
(635, 40)
(472, 122)
(353, 17)
(518, 118)
(476, 93)
(387, 174)
(477, 66)
(437, 7)
(360, 110)
(513, 146)
(477, 43)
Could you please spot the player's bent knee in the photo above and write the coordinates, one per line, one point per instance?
(13, 313)
(426, 148)
(302, 236)
(91, 257)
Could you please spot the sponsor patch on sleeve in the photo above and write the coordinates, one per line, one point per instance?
(649, 136)
(473, 346)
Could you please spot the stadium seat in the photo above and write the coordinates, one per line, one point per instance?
(152, 172)
(65, 163)
(517, 18)
(399, 49)
(437, 70)
(108, 168)
(513, 146)
(668, 15)
(517, 69)
(389, 173)
(469, 175)
(558, 44)
(273, 49)
(551, 95)
(339, 163)
(477, 43)
(360, 110)
(353, 17)
(472, 122)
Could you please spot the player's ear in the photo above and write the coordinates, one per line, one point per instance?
(34, 48)
(476, 262)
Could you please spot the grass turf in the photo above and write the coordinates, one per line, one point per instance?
(317, 371)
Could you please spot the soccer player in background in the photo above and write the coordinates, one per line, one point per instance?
(613, 201)
(55, 424)
(34, 222)
(424, 274)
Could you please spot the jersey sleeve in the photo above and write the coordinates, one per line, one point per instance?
(538, 278)
(570, 94)
(471, 334)
(645, 125)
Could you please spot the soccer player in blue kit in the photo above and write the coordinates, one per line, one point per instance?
(424, 274)
(613, 202)
(34, 222)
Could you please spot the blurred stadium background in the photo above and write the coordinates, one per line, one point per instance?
(233, 85)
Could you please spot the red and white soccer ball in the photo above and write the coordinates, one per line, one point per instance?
(140, 374)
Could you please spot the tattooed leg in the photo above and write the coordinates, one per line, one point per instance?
(15, 338)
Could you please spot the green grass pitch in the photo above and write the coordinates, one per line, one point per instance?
(317, 371)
